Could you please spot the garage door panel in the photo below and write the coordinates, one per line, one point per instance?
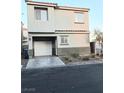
(42, 48)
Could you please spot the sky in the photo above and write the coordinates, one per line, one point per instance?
(95, 13)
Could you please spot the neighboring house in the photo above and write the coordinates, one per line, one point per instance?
(98, 48)
(24, 33)
(25, 37)
(57, 30)
(21, 38)
(92, 36)
(24, 41)
(96, 45)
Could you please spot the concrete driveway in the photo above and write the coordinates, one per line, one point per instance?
(42, 62)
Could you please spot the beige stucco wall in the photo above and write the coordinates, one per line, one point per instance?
(37, 25)
(74, 40)
(30, 42)
(65, 20)
(57, 20)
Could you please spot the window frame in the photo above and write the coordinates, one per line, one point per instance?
(64, 40)
(41, 9)
(76, 18)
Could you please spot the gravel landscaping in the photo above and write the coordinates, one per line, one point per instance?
(77, 60)
(92, 61)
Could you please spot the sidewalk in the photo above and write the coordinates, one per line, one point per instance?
(24, 62)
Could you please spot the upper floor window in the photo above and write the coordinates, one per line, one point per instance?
(79, 17)
(41, 14)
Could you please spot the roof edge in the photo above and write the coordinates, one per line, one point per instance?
(41, 3)
(73, 8)
(56, 6)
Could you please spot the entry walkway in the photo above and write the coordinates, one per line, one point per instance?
(42, 62)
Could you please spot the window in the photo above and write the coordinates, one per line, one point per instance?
(79, 17)
(41, 14)
(64, 39)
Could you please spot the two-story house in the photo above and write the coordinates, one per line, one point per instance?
(57, 30)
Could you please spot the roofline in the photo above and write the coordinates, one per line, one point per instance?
(41, 3)
(56, 6)
(73, 8)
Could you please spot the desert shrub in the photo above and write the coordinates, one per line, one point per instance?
(92, 55)
(75, 55)
(97, 54)
(85, 58)
(66, 58)
(70, 60)
(101, 55)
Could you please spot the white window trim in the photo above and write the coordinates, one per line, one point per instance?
(41, 9)
(65, 42)
(78, 20)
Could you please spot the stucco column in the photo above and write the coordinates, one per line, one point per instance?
(30, 52)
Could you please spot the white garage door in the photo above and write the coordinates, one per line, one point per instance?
(42, 48)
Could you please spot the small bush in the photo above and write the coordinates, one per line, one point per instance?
(70, 60)
(97, 54)
(66, 58)
(101, 55)
(85, 58)
(75, 55)
(92, 55)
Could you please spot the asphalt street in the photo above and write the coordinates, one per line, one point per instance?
(67, 79)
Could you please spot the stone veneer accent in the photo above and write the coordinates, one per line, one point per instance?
(68, 51)
(75, 50)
